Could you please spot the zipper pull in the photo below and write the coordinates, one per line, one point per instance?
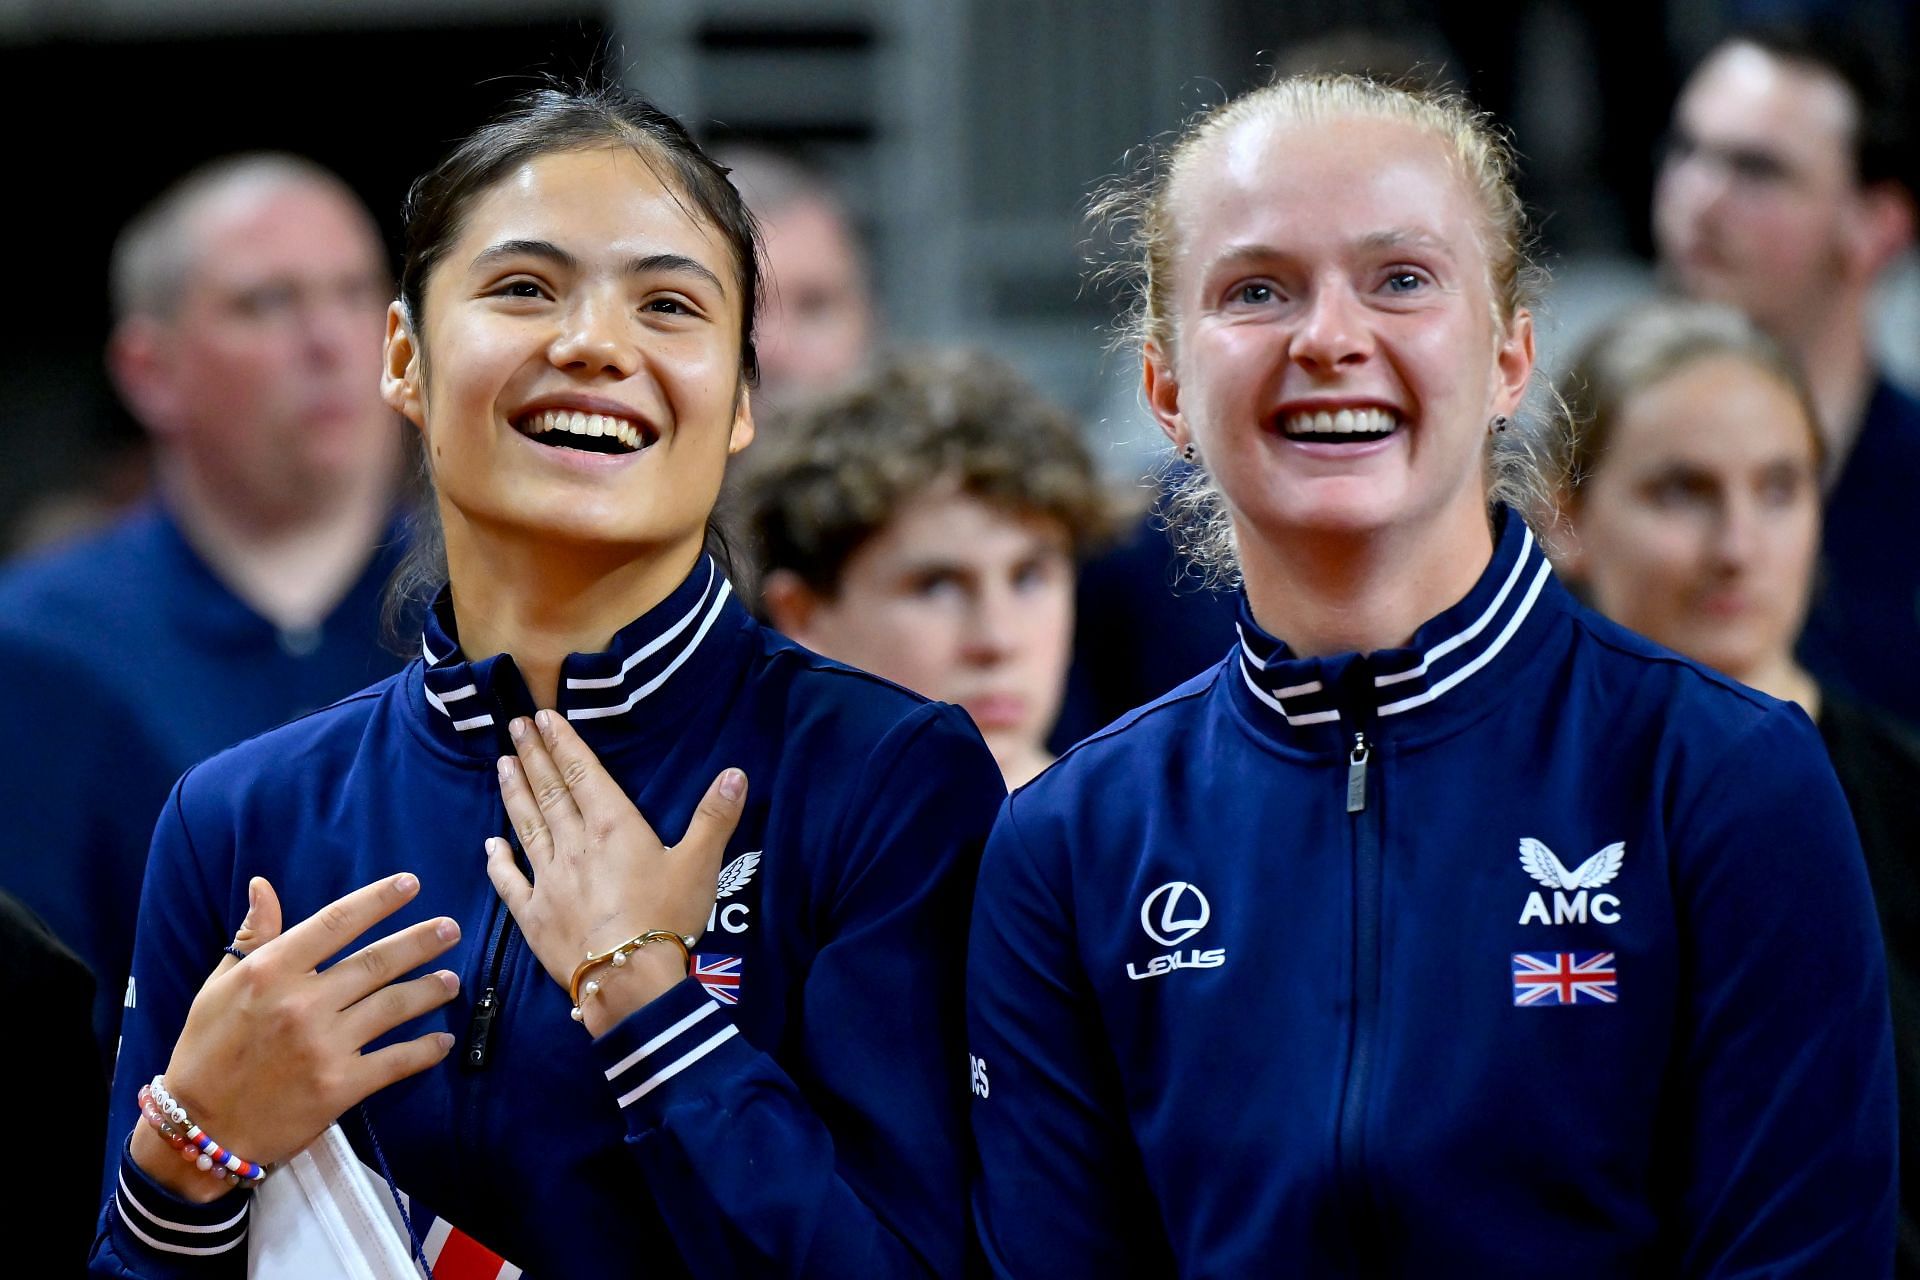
(1356, 774)
(481, 1029)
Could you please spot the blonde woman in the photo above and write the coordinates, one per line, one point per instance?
(1445, 928)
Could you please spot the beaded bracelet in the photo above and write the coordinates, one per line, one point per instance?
(194, 1144)
(177, 1140)
(173, 1137)
(617, 957)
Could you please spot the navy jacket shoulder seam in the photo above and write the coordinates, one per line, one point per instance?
(1741, 745)
(1032, 859)
(928, 713)
(1134, 717)
(823, 665)
(1752, 697)
(177, 803)
(372, 693)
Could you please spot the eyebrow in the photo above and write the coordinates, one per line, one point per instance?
(647, 264)
(1403, 238)
(543, 249)
(1392, 238)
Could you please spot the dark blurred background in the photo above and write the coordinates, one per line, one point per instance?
(965, 132)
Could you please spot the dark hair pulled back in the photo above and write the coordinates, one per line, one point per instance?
(579, 118)
(546, 121)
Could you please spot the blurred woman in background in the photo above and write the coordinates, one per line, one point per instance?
(1692, 514)
(924, 524)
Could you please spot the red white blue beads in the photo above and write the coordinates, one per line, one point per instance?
(194, 1144)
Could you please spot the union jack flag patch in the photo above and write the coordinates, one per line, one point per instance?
(1565, 977)
(719, 974)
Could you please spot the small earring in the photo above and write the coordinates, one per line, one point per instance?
(1498, 424)
(1189, 453)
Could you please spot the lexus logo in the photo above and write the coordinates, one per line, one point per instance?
(1174, 912)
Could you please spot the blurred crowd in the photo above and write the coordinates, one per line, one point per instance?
(1736, 480)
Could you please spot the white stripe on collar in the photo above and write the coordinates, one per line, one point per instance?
(660, 641)
(706, 610)
(1251, 662)
(1499, 643)
(1459, 638)
(1311, 717)
(1292, 690)
(439, 703)
(706, 624)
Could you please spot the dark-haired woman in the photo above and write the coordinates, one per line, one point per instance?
(1445, 928)
(722, 1049)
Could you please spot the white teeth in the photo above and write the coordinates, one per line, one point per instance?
(583, 424)
(1343, 422)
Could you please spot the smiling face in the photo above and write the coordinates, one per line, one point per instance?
(1335, 355)
(577, 375)
(1754, 197)
(1701, 520)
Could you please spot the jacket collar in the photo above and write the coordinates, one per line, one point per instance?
(1448, 661)
(653, 662)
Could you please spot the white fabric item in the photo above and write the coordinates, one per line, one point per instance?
(325, 1216)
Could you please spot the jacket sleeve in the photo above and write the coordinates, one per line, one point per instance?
(1785, 1088)
(143, 1230)
(846, 1155)
(1059, 1190)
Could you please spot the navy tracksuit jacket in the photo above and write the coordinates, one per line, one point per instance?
(796, 1109)
(1527, 950)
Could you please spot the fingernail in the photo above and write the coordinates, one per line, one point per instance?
(449, 979)
(505, 765)
(446, 931)
(517, 728)
(492, 845)
(405, 882)
(732, 783)
(545, 720)
(444, 1040)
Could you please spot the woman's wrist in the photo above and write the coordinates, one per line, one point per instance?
(163, 1164)
(648, 974)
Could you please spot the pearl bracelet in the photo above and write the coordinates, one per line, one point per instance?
(194, 1144)
(617, 957)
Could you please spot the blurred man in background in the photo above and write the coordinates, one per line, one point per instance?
(818, 327)
(248, 321)
(248, 306)
(1782, 194)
